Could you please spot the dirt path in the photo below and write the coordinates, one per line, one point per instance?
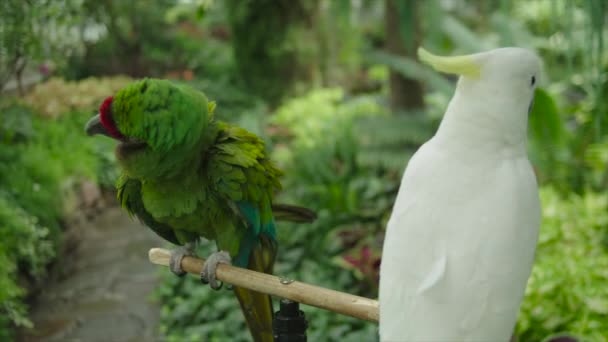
(106, 295)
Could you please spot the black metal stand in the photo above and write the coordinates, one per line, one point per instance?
(289, 324)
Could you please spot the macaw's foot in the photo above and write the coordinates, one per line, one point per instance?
(210, 266)
(175, 263)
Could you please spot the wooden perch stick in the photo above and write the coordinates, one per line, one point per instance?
(340, 302)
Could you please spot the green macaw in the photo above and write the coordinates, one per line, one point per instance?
(187, 175)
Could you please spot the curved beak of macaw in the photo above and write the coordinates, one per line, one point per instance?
(94, 126)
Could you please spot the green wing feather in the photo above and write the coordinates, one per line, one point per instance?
(129, 197)
(242, 174)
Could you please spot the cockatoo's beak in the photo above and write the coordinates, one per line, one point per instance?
(460, 65)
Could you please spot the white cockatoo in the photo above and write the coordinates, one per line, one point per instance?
(460, 242)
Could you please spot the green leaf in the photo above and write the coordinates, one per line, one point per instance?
(412, 69)
(461, 35)
(598, 305)
(545, 122)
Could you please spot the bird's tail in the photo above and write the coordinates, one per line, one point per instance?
(257, 307)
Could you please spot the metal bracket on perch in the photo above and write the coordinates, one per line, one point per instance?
(340, 302)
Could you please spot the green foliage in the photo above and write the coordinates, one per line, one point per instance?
(233, 102)
(390, 142)
(106, 171)
(596, 158)
(143, 38)
(203, 33)
(70, 101)
(567, 289)
(548, 138)
(269, 41)
(320, 152)
(544, 121)
(412, 69)
(16, 123)
(39, 159)
(342, 30)
(33, 172)
(16, 36)
(34, 31)
(25, 243)
(192, 312)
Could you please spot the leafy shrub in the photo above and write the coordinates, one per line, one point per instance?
(318, 147)
(34, 172)
(319, 152)
(567, 289)
(16, 123)
(341, 159)
(36, 31)
(194, 312)
(136, 40)
(24, 243)
(270, 50)
(39, 158)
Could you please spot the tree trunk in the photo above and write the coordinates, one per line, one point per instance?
(405, 93)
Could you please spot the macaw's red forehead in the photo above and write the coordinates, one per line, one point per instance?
(106, 106)
(105, 116)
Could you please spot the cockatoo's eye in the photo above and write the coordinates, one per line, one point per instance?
(533, 81)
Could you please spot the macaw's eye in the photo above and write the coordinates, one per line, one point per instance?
(533, 80)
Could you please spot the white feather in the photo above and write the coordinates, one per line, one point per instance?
(460, 242)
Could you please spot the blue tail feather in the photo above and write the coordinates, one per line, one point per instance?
(254, 220)
(250, 240)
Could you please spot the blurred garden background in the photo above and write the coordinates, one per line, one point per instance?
(334, 88)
